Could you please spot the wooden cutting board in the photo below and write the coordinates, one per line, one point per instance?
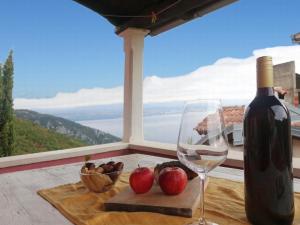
(183, 204)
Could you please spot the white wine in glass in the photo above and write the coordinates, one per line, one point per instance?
(202, 142)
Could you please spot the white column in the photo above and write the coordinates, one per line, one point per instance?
(133, 130)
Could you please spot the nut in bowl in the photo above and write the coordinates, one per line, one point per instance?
(101, 178)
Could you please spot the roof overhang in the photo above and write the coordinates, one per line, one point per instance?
(156, 16)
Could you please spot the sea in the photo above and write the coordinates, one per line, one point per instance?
(162, 128)
(161, 120)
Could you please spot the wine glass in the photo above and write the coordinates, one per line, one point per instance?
(202, 141)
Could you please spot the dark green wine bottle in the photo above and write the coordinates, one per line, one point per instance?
(268, 170)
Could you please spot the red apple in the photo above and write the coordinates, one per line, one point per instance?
(141, 180)
(172, 180)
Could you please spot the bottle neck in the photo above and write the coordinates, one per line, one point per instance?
(265, 91)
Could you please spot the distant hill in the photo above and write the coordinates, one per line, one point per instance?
(67, 127)
(31, 138)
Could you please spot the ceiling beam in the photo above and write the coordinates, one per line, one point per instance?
(180, 13)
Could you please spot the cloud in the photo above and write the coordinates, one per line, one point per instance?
(227, 78)
(83, 97)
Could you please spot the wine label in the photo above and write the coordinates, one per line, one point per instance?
(264, 71)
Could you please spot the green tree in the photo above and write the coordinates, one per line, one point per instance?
(7, 129)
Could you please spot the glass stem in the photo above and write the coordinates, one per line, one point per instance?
(202, 187)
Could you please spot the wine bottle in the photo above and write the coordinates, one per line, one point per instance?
(268, 170)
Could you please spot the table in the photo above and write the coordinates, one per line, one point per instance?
(20, 204)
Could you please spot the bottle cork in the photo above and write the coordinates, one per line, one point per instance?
(264, 72)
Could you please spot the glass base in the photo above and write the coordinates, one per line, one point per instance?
(202, 222)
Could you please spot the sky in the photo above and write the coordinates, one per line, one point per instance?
(228, 79)
(62, 49)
